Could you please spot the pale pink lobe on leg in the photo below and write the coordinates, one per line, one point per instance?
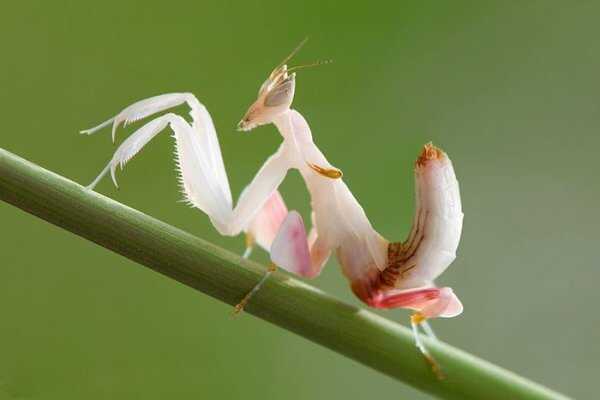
(431, 302)
(451, 305)
(266, 223)
(290, 247)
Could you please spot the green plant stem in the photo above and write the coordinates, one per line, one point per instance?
(286, 302)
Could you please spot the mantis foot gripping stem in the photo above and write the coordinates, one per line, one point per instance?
(240, 306)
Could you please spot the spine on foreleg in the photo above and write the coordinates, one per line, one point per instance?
(201, 185)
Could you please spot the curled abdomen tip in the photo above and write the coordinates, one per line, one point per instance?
(430, 152)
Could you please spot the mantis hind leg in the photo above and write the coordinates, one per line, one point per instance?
(428, 330)
(415, 320)
(429, 301)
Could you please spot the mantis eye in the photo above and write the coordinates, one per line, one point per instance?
(282, 94)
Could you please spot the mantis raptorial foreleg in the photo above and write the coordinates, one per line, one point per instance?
(264, 184)
(203, 176)
(428, 330)
(144, 108)
(133, 144)
(416, 320)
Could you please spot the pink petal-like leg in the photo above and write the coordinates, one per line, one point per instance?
(292, 251)
(265, 225)
(202, 173)
(289, 247)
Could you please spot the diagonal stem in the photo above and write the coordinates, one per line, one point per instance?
(291, 304)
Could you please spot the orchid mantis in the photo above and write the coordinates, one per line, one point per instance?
(382, 274)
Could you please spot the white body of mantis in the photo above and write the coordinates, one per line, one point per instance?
(381, 274)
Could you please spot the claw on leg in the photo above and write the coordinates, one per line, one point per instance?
(415, 320)
(331, 173)
(239, 307)
(95, 129)
(105, 171)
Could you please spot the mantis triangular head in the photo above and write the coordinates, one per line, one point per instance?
(276, 94)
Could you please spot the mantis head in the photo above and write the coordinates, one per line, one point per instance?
(275, 95)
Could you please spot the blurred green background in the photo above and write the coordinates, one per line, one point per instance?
(508, 88)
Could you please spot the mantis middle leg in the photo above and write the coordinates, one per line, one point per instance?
(293, 251)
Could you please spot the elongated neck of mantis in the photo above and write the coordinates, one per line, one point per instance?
(283, 123)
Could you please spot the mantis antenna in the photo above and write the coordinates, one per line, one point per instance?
(293, 53)
(314, 64)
